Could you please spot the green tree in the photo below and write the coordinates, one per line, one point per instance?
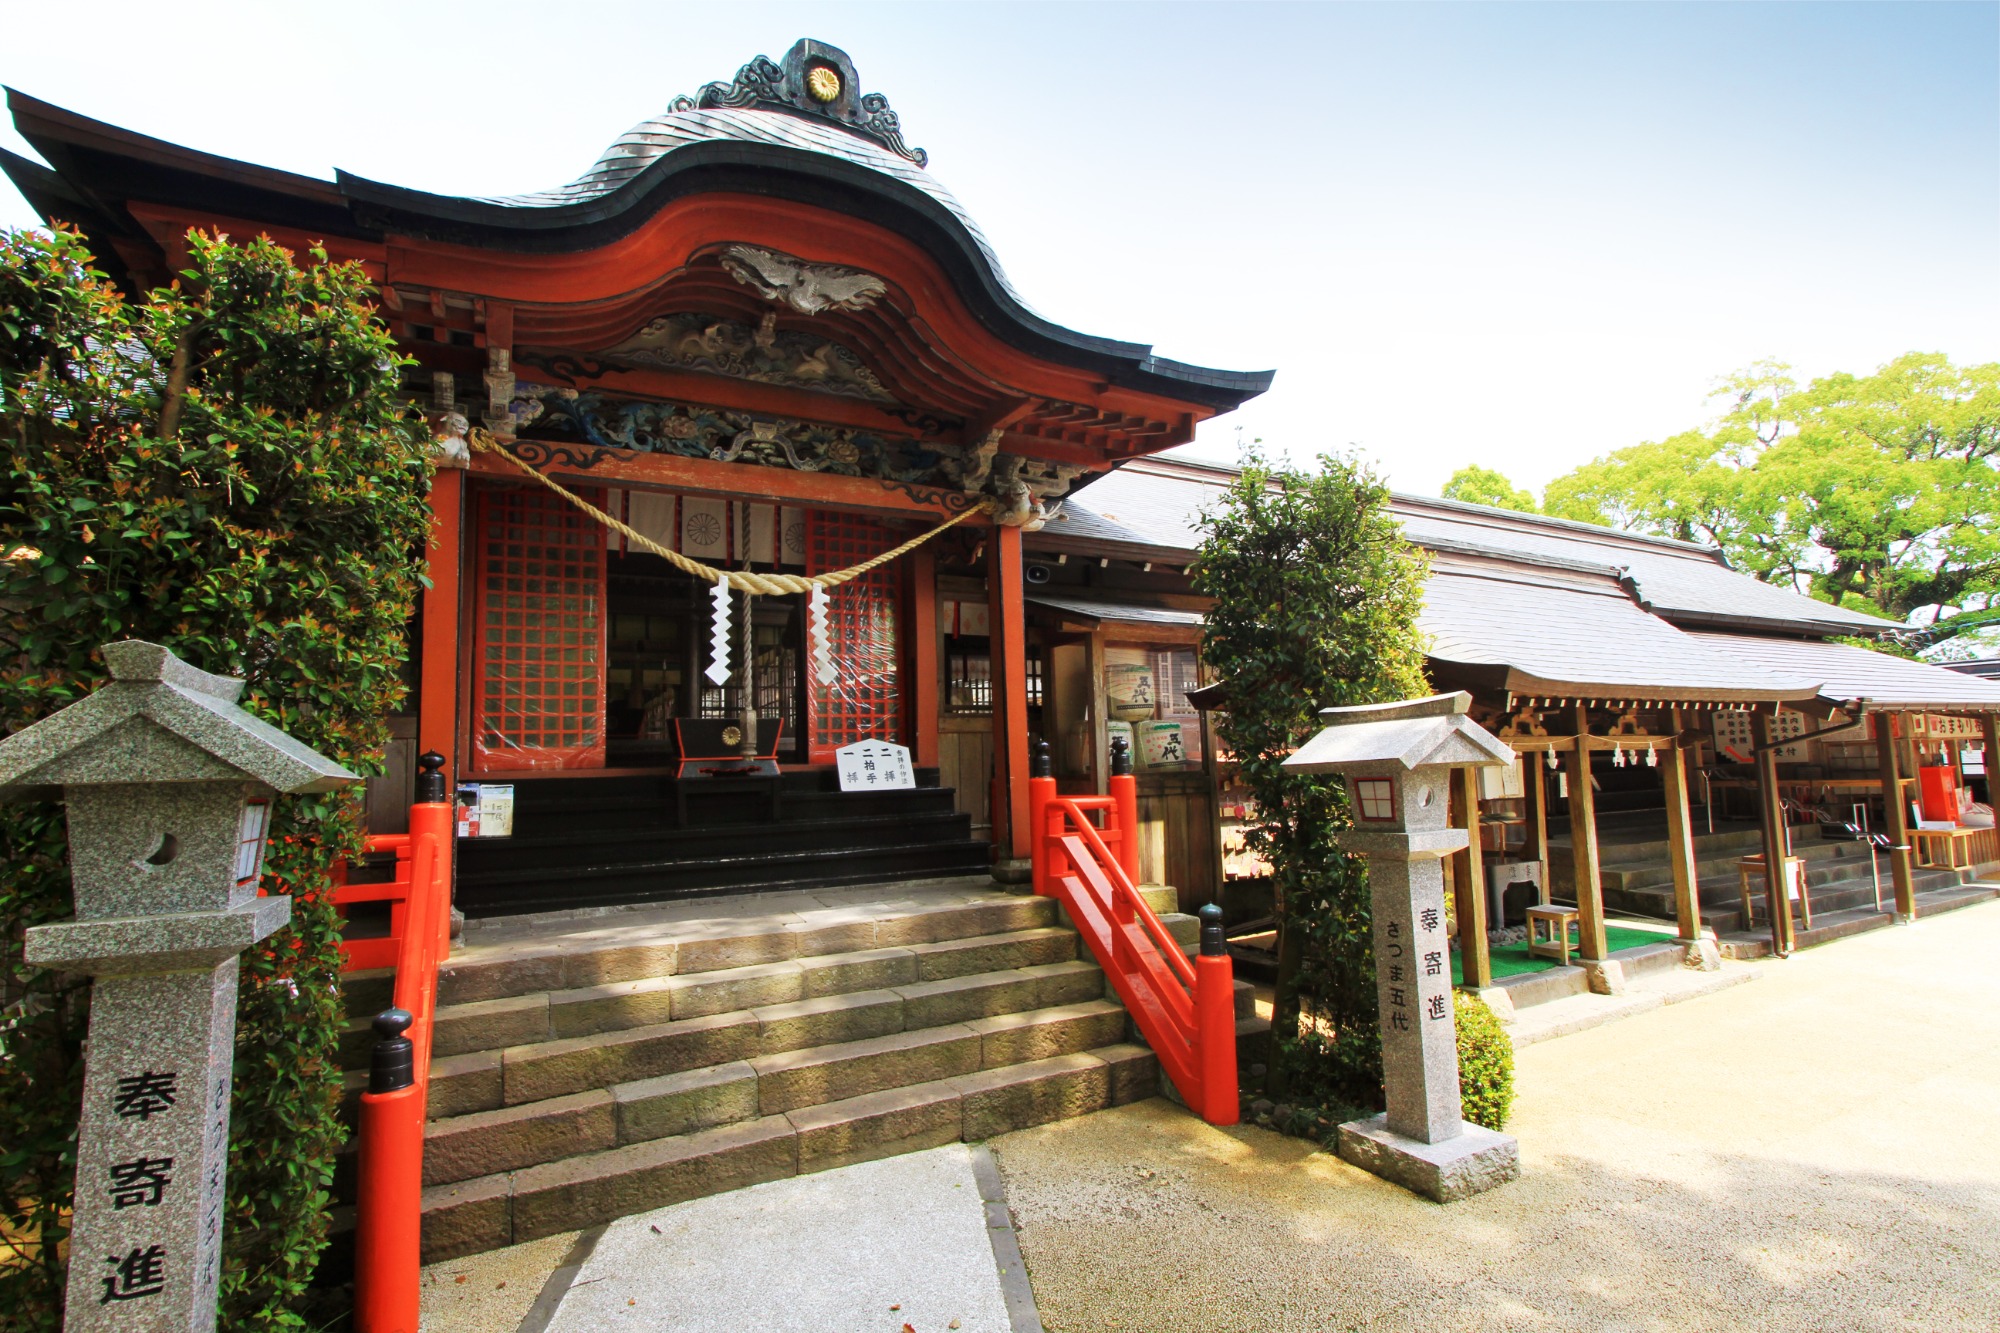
(1316, 596)
(224, 467)
(1880, 492)
(1483, 486)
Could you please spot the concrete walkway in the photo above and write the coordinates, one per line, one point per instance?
(1817, 1151)
(919, 1241)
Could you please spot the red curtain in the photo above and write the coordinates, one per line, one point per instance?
(863, 622)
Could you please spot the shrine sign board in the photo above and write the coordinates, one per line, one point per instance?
(874, 766)
(167, 786)
(1397, 761)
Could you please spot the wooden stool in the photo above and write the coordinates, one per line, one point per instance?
(1795, 874)
(1548, 932)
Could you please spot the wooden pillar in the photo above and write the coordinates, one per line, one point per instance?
(1008, 628)
(1583, 846)
(1989, 760)
(1535, 794)
(437, 685)
(925, 679)
(1771, 819)
(1680, 838)
(1895, 816)
(1468, 877)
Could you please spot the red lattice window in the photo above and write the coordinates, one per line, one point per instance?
(862, 623)
(538, 641)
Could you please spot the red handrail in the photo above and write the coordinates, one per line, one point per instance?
(388, 1222)
(1185, 1011)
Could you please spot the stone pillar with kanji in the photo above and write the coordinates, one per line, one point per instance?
(1397, 760)
(167, 786)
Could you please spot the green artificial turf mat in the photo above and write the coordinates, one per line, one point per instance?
(1512, 960)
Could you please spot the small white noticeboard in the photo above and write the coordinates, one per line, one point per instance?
(485, 810)
(874, 766)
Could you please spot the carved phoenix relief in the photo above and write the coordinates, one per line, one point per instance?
(806, 288)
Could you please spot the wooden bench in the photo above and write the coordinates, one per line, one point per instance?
(1548, 932)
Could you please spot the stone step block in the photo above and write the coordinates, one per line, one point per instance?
(686, 1103)
(461, 1084)
(943, 959)
(1039, 1034)
(726, 990)
(865, 969)
(611, 1006)
(514, 1137)
(830, 1019)
(1133, 1070)
(584, 1191)
(877, 1124)
(795, 1079)
(1061, 1087)
(986, 994)
(490, 1025)
(574, 1064)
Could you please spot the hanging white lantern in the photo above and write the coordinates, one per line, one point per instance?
(718, 642)
(817, 606)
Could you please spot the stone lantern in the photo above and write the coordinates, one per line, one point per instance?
(1396, 760)
(167, 786)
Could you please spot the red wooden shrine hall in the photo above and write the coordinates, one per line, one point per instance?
(760, 333)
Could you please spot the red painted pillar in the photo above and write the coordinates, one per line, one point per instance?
(1041, 791)
(1125, 809)
(1215, 1022)
(1008, 629)
(437, 688)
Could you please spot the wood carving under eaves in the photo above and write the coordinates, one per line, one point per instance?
(815, 81)
(806, 288)
(1023, 486)
(765, 354)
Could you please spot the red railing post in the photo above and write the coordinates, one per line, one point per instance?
(388, 1239)
(1125, 808)
(388, 1242)
(1041, 791)
(1215, 1021)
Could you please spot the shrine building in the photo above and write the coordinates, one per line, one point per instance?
(760, 333)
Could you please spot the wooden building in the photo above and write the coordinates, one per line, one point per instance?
(760, 333)
(1719, 718)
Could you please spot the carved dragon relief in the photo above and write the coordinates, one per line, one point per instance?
(806, 288)
(1023, 486)
(765, 354)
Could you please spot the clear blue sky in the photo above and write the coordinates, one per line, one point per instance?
(1520, 235)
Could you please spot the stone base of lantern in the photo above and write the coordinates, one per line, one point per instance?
(1475, 1161)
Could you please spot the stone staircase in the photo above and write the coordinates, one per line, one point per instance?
(1638, 880)
(599, 1067)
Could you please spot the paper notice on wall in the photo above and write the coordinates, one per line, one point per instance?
(705, 529)
(652, 514)
(757, 533)
(485, 810)
(614, 505)
(973, 620)
(791, 536)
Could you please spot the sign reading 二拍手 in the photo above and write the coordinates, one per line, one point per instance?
(168, 788)
(874, 766)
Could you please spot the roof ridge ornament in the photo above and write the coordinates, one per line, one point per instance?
(815, 80)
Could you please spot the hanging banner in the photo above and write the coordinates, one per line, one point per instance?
(614, 505)
(652, 515)
(757, 533)
(791, 536)
(705, 529)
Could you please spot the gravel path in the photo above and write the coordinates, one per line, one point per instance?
(1817, 1151)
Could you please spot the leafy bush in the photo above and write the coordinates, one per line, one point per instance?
(1485, 1062)
(224, 467)
(1316, 597)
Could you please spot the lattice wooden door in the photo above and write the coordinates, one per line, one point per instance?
(862, 622)
(538, 651)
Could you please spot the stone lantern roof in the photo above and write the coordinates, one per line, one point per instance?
(1414, 733)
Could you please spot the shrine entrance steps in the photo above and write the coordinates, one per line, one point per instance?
(592, 1065)
(1638, 880)
(586, 840)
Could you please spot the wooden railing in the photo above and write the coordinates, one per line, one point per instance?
(1185, 1010)
(388, 1223)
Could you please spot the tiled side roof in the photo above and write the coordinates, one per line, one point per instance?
(1573, 635)
(1892, 684)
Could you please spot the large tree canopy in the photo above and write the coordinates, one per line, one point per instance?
(1880, 492)
(1484, 486)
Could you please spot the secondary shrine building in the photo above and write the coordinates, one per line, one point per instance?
(758, 332)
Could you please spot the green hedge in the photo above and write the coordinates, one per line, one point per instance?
(1485, 1062)
(224, 467)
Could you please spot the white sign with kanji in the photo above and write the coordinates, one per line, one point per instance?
(874, 766)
